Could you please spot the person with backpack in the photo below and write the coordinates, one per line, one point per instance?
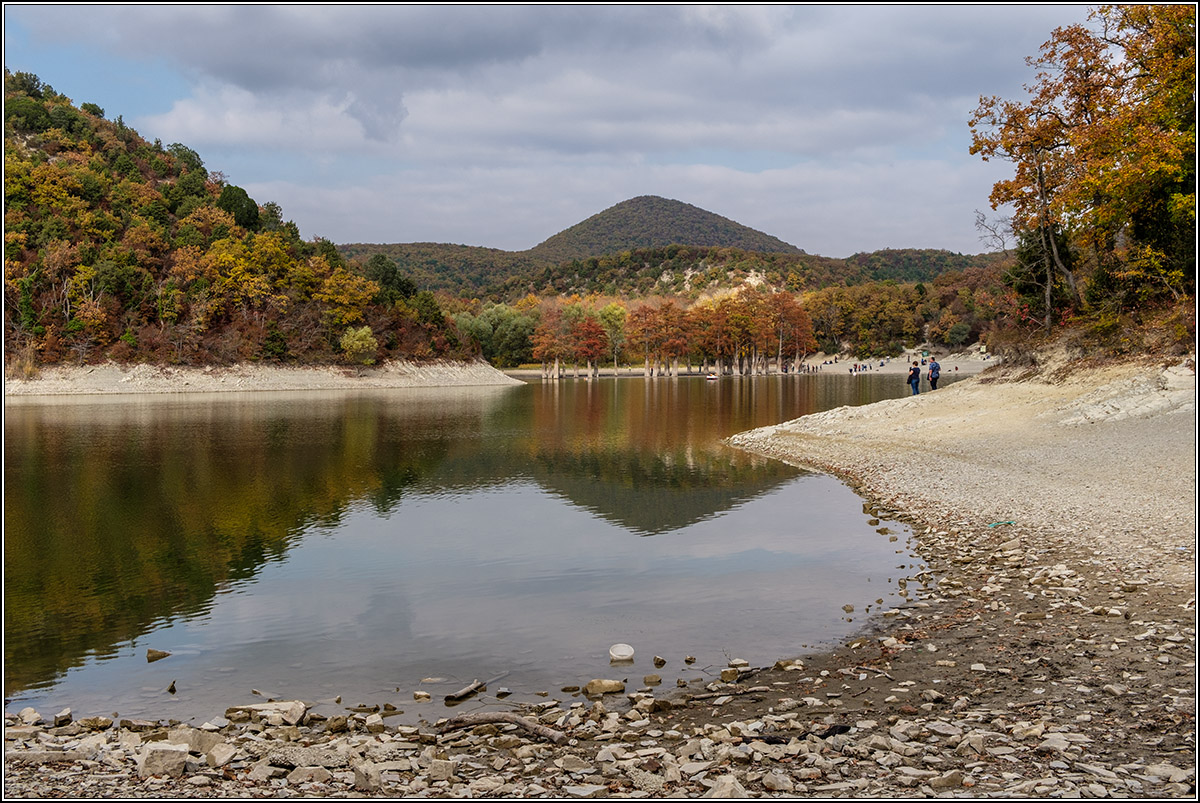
(914, 378)
(935, 372)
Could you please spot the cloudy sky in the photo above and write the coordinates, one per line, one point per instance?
(836, 128)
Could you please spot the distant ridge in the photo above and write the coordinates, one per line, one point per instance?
(649, 221)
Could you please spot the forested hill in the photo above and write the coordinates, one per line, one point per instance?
(648, 222)
(650, 245)
(122, 249)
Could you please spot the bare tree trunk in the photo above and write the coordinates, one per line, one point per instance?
(1067, 274)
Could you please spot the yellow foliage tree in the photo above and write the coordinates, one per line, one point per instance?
(346, 297)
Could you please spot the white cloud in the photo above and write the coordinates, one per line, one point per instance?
(227, 115)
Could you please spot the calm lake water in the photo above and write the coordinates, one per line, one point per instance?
(370, 544)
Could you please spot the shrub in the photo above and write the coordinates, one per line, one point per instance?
(360, 345)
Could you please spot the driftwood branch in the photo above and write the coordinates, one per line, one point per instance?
(488, 717)
(473, 688)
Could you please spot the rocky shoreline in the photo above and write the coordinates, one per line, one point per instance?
(1046, 650)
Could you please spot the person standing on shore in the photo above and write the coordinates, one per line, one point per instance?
(935, 372)
(914, 378)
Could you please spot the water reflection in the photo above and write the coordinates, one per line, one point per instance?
(318, 540)
(121, 514)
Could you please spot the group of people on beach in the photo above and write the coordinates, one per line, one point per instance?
(914, 375)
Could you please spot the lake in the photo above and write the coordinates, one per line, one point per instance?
(369, 544)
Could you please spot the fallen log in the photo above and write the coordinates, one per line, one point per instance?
(490, 717)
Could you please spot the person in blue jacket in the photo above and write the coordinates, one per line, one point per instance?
(935, 372)
(914, 377)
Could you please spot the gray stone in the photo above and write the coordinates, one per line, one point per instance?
(647, 781)
(726, 787)
(45, 756)
(1053, 743)
(161, 758)
(290, 712)
(367, 777)
(777, 781)
(294, 755)
(1169, 772)
(573, 763)
(96, 723)
(585, 790)
(441, 770)
(220, 754)
(944, 729)
(950, 780)
(262, 771)
(602, 686)
(1097, 771)
(196, 740)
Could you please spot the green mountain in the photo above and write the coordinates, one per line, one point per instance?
(649, 221)
(636, 233)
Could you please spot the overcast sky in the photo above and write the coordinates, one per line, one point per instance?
(835, 128)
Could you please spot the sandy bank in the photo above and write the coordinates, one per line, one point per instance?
(1103, 461)
(110, 378)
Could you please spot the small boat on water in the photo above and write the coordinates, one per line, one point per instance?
(711, 377)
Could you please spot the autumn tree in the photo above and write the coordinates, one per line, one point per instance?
(1104, 155)
(590, 342)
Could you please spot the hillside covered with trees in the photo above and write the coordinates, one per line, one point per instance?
(678, 249)
(121, 249)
